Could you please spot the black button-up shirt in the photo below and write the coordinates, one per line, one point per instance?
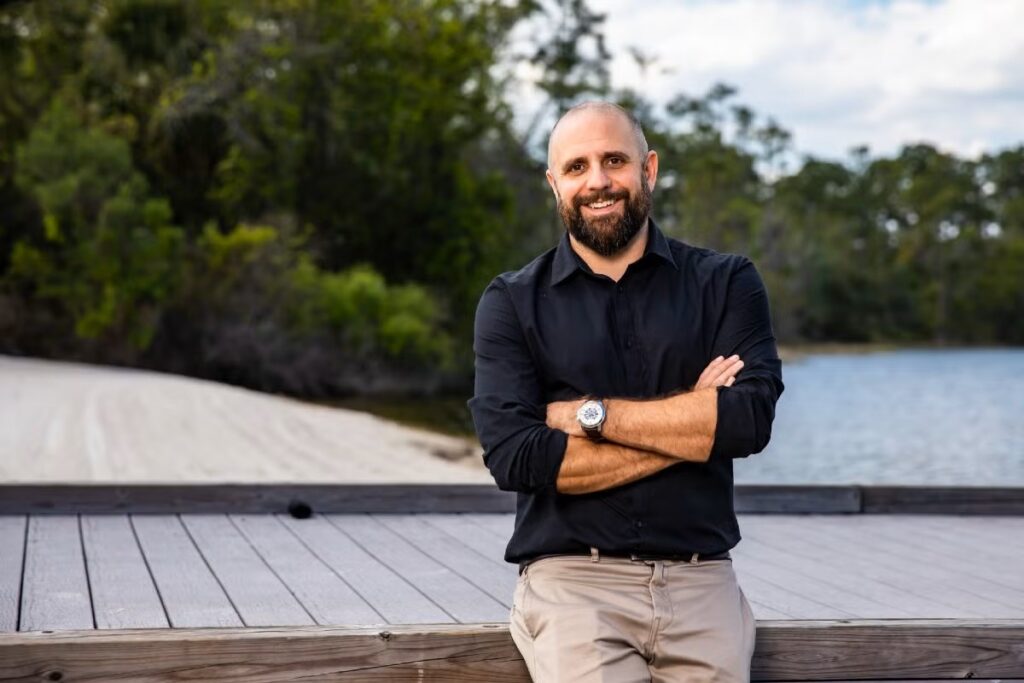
(555, 330)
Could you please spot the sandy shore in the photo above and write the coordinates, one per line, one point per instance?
(66, 422)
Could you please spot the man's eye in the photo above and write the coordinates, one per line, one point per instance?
(615, 161)
(576, 168)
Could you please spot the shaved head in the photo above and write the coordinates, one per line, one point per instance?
(600, 107)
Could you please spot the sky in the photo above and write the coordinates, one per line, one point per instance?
(839, 73)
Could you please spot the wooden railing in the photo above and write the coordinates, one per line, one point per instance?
(918, 650)
(411, 498)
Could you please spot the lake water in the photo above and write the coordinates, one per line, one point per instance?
(939, 417)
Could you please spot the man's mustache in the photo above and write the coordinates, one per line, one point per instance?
(600, 196)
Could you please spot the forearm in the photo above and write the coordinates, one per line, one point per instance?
(680, 426)
(588, 466)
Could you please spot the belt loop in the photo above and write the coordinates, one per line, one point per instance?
(595, 556)
(693, 560)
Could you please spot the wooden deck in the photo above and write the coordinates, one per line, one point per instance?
(260, 570)
(158, 583)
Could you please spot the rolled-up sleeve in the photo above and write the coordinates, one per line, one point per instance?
(746, 410)
(509, 411)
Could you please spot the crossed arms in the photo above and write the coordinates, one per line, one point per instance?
(641, 437)
(532, 445)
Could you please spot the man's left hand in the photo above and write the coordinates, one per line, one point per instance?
(562, 415)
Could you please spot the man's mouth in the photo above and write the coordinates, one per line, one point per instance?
(601, 204)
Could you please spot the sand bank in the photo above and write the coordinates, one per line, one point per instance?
(68, 422)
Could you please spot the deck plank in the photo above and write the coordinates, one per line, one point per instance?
(935, 574)
(459, 598)
(788, 545)
(501, 526)
(123, 592)
(55, 589)
(492, 575)
(475, 536)
(12, 555)
(759, 559)
(862, 561)
(436, 568)
(968, 544)
(327, 598)
(387, 592)
(258, 594)
(191, 593)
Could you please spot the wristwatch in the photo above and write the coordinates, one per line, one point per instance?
(591, 417)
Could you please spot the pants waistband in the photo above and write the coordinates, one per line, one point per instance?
(595, 555)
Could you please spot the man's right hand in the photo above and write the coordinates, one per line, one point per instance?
(721, 372)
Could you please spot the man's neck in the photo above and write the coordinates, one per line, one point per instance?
(614, 266)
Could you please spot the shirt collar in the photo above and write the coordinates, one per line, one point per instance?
(567, 261)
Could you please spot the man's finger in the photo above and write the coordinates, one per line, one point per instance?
(708, 369)
(726, 371)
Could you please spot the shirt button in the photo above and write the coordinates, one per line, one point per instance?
(639, 525)
(629, 342)
(620, 288)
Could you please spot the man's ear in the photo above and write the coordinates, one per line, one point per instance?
(651, 168)
(551, 182)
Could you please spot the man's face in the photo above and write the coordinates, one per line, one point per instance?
(601, 181)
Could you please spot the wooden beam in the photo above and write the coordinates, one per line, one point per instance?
(889, 649)
(947, 500)
(782, 499)
(19, 499)
(251, 498)
(914, 650)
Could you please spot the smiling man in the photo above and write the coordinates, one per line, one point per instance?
(617, 377)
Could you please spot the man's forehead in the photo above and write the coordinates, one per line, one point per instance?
(591, 131)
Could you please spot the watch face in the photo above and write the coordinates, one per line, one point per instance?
(590, 414)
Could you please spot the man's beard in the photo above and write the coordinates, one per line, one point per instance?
(607, 235)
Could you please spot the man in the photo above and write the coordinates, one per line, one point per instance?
(617, 376)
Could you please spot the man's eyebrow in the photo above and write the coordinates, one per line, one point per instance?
(571, 162)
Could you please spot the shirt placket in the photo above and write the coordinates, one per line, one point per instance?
(629, 352)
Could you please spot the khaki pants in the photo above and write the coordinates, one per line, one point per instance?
(621, 620)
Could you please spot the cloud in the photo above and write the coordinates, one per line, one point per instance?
(839, 74)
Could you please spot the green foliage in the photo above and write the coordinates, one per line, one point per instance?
(310, 196)
(367, 314)
(107, 253)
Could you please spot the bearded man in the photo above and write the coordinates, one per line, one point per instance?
(617, 377)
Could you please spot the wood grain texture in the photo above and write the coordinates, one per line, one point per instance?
(191, 594)
(12, 555)
(55, 588)
(783, 499)
(789, 540)
(807, 651)
(939, 575)
(123, 592)
(936, 649)
(492, 575)
(386, 591)
(450, 591)
(865, 563)
(396, 498)
(258, 594)
(943, 500)
(327, 598)
(476, 537)
(251, 498)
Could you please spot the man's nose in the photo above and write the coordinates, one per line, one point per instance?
(597, 178)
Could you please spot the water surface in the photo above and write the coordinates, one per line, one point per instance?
(938, 417)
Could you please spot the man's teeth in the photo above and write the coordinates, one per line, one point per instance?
(601, 205)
